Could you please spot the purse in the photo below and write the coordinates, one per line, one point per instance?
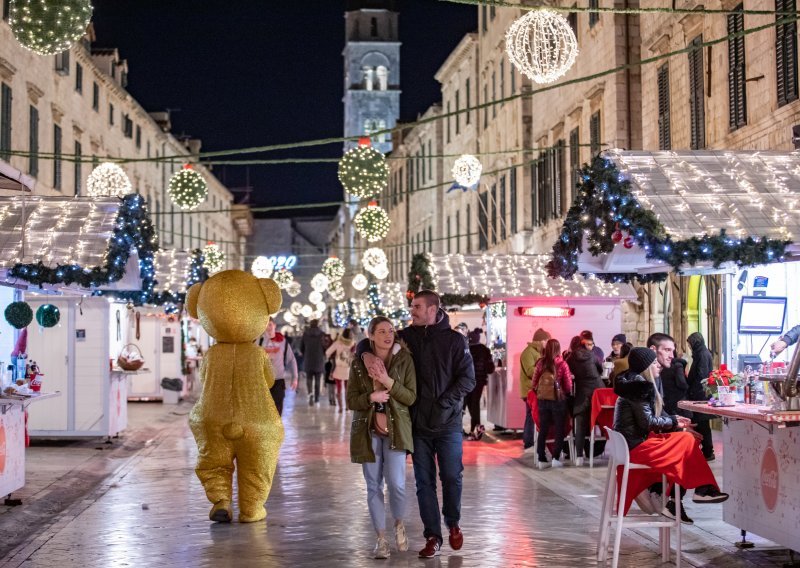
(380, 423)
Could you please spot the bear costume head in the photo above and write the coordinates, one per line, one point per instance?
(234, 306)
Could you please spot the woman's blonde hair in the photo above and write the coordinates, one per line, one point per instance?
(375, 322)
(648, 376)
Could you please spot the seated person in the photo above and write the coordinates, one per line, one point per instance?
(665, 443)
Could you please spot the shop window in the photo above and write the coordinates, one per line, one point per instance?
(697, 122)
(737, 92)
(786, 53)
(664, 134)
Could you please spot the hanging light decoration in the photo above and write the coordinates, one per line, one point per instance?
(336, 291)
(187, 188)
(295, 308)
(261, 267)
(541, 45)
(320, 307)
(373, 258)
(214, 258)
(283, 278)
(108, 180)
(320, 282)
(333, 268)
(306, 311)
(315, 297)
(372, 222)
(293, 289)
(48, 27)
(363, 171)
(381, 272)
(467, 170)
(291, 318)
(360, 282)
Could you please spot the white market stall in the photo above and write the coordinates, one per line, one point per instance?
(523, 299)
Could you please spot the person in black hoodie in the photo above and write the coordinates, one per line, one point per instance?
(675, 387)
(445, 375)
(702, 365)
(587, 370)
(484, 366)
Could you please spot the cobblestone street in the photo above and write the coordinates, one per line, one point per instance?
(146, 508)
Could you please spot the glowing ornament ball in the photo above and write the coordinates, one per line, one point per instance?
(372, 222)
(373, 258)
(360, 282)
(261, 267)
(306, 311)
(363, 171)
(467, 170)
(293, 289)
(108, 180)
(381, 272)
(295, 308)
(283, 278)
(336, 292)
(333, 268)
(214, 258)
(315, 297)
(187, 188)
(320, 307)
(48, 27)
(541, 45)
(48, 315)
(319, 282)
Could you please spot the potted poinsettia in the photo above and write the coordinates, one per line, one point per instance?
(724, 378)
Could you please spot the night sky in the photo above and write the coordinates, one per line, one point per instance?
(251, 73)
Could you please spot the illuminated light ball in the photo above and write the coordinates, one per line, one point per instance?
(321, 307)
(467, 170)
(290, 318)
(381, 272)
(283, 278)
(49, 27)
(373, 258)
(187, 188)
(108, 180)
(315, 297)
(541, 45)
(372, 222)
(319, 282)
(337, 292)
(48, 315)
(261, 267)
(360, 282)
(295, 308)
(363, 172)
(333, 268)
(214, 258)
(317, 315)
(293, 289)
(306, 311)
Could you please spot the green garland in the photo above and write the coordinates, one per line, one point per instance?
(464, 299)
(419, 275)
(605, 203)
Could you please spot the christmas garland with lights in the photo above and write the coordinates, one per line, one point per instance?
(605, 208)
(451, 300)
(419, 275)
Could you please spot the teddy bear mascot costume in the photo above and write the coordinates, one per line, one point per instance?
(235, 418)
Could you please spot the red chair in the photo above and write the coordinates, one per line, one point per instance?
(533, 402)
(603, 402)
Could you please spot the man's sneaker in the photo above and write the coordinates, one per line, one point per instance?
(578, 462)
(709, 495)
(400, 537)
(555, 463)
(381, 549)
(669, 512)
(645, 503)
(456, 538)
(656, 500)
(432, 548)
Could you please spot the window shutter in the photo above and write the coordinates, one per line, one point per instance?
(513, 183)
(594, 133)
(696, 95)
(786, 53)
(574, 159)
(664, 134)
(737, 111)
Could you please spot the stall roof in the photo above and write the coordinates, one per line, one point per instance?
(173, 270)
(508, 276)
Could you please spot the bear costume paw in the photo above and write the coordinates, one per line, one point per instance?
(221, 512)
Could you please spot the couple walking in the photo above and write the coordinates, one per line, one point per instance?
(408, 398)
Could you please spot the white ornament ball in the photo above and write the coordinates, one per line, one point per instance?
(320, 307)
(333, 268)
(293, 289)
(108, 180)
(541, 45)
(381, 272)
(261, 267)
(315, 297)
(360, 282)
(467, 170)
(373, 258)
(306, 311)
(336, 292)
(295, 308)
(320, 282)
(214, 258)
(290, 318)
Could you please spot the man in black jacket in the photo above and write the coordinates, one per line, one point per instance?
(445, 375)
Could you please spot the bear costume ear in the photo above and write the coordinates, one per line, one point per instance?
(272, 294)
(191, 299)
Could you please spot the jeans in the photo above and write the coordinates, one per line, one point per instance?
(473, 403)
(391, 465)
(527, 431)
(446, 450)
(551, 412)
(278, 391)
(313, 380)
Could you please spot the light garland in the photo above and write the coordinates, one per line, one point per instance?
(283, 278)
(187, 188)
(315, 297)
(333, 268)
(336, 292)
(467, 170)
(108, 180)
(373, 258)
(360, 282)
(293, 289)
(49, 27)
(363, 172)
(214, 258)
(319, 282)
(372, 222)
(541, 45)
(261, 267)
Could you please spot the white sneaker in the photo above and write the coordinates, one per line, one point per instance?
(578, 462)
(556, 463)
(400, 537)
(381, 549)
(543, 465)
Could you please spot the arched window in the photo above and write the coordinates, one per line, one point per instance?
(373, 27)
(369, 77)
(383, 77)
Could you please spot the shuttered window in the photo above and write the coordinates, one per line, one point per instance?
(77, 167)
(737, 92)
(664, 132)
(697, 122)
(503, 208)
(469, 228)
(5, 123)
(574, 159)
(468, 101)
(494, 214)
(513, 183)
(594, 17)
(33, 141)
(483, 229)
(57, 157)
(594, 133)
(561, 193)
(786, 52)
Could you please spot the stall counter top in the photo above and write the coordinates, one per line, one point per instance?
(142, 371)
(27, 401)
(743, 411)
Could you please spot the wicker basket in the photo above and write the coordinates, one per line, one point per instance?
(127, 364)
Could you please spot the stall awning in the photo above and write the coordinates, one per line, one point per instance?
(513, 276)
(639, 213)
(175, 269)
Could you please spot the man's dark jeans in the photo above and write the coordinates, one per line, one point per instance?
(445, 448)
(527, 431)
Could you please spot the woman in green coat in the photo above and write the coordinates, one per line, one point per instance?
(380, 436)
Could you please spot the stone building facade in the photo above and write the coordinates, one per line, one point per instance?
(62, 115)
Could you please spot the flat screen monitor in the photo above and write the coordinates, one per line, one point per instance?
(762, 314)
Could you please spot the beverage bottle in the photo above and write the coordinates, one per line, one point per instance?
(747, 387)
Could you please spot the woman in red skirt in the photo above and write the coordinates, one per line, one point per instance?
(665, 443)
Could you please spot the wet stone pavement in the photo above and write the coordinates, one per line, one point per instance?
(151, 511)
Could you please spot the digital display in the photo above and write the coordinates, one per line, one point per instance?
(762, 314)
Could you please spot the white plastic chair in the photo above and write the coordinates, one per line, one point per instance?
(618, 455)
